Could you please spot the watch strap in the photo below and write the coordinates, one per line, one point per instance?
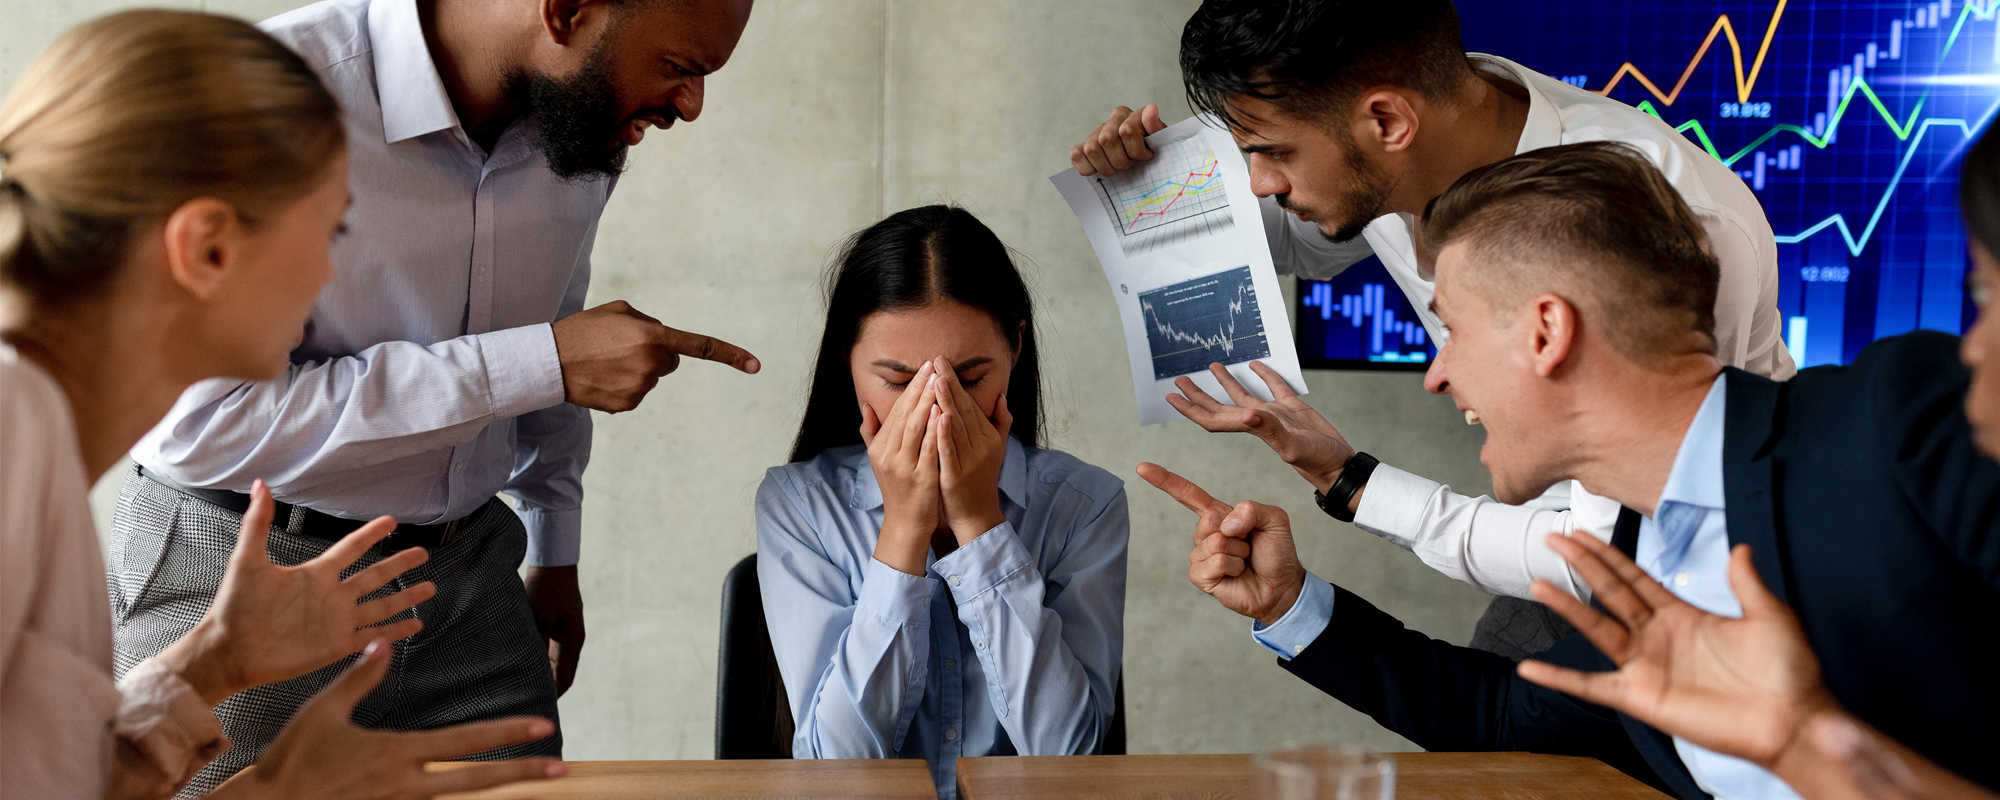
(1353, 476)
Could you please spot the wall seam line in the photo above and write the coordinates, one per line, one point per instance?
(882, 120)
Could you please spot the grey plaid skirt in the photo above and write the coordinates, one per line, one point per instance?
(478, 657)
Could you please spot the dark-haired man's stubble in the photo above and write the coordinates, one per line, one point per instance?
(1365, 199)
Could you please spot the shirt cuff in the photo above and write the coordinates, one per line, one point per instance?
(1393, 505)
(555, 538)
(983, 563)
(893, 595)
(1299, 627)
(167, 723)
(523, 371)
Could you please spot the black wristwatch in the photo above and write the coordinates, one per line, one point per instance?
(1352, 477)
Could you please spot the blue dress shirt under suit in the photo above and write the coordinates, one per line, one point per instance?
(1009, 645)
(1868, 509)
(1685, 545)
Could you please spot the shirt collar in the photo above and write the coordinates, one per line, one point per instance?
(406, 80)
(1543, 127)
(867, 494)
(1696, 478)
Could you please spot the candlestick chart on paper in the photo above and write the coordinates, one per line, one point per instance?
(1846, 118)
(1198, 322)
(1176, 197)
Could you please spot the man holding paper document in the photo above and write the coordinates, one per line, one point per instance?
(1353, 116)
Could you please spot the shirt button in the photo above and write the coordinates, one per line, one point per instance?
(951, 663)
(980, 645)
(951, 734)
(1680, 579)
(954, 580)
(458, 467)
(1298, 648)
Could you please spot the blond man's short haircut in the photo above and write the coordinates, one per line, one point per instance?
(1597, 224)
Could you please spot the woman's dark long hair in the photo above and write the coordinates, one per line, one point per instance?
(1979, 191)
(910, 260)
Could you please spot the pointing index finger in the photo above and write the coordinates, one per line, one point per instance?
(709, 348)
(1181, 489)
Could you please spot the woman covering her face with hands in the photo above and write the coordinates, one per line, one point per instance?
(170, 183)
(937, 586)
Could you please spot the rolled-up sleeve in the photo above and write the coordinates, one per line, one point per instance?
(853, 664)
(1050, 644)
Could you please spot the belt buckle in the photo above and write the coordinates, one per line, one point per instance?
(449, 528)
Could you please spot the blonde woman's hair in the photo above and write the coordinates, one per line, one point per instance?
(125, 118)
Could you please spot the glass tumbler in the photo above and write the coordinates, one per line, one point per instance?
(1325, 772)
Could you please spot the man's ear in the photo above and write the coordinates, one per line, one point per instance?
(1552, 329)
(1387, 122)
(563, 19)
(202, 240)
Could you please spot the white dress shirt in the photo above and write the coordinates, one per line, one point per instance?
(1497, 547)
(1684, 545)
(428, 380)
(1009, 645)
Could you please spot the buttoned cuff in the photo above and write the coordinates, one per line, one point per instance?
(894, 595)
(555, 538)
(1296, 630)
(1393, 505)
(983, 563)
(523, 371)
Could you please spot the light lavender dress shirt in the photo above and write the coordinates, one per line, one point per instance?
(428, 380)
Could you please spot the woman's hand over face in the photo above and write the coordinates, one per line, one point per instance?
(971, 450)
(903, 452)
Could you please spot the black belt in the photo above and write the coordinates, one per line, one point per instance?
(320, 525)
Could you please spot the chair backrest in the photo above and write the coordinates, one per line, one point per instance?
(753, 717)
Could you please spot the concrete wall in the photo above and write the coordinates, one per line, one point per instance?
(833, 113)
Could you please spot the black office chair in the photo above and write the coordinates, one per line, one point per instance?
(753, 718)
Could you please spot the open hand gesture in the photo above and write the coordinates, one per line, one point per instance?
(1243, 556)
(903, 452)
(1745, 687)
(1298, 434)
(270, 623)
(971, 450)
(321, 755)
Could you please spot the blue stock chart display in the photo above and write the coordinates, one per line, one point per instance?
(1847, 120)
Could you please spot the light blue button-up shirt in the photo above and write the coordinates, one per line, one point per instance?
(1009, 645)
(428, 379)
(1685, 545)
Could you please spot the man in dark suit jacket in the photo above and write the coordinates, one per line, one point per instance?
(1574, 284)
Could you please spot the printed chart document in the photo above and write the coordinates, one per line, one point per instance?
(1182, 242)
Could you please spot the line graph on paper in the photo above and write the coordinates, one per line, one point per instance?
(1179, 196)
(1198, 322)
(1846, 119)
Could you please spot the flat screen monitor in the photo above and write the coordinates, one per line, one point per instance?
(1847, 119)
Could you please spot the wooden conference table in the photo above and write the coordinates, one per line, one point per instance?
(1419, 776)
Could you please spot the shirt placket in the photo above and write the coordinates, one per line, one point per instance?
(951, 693)
(481, 268)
